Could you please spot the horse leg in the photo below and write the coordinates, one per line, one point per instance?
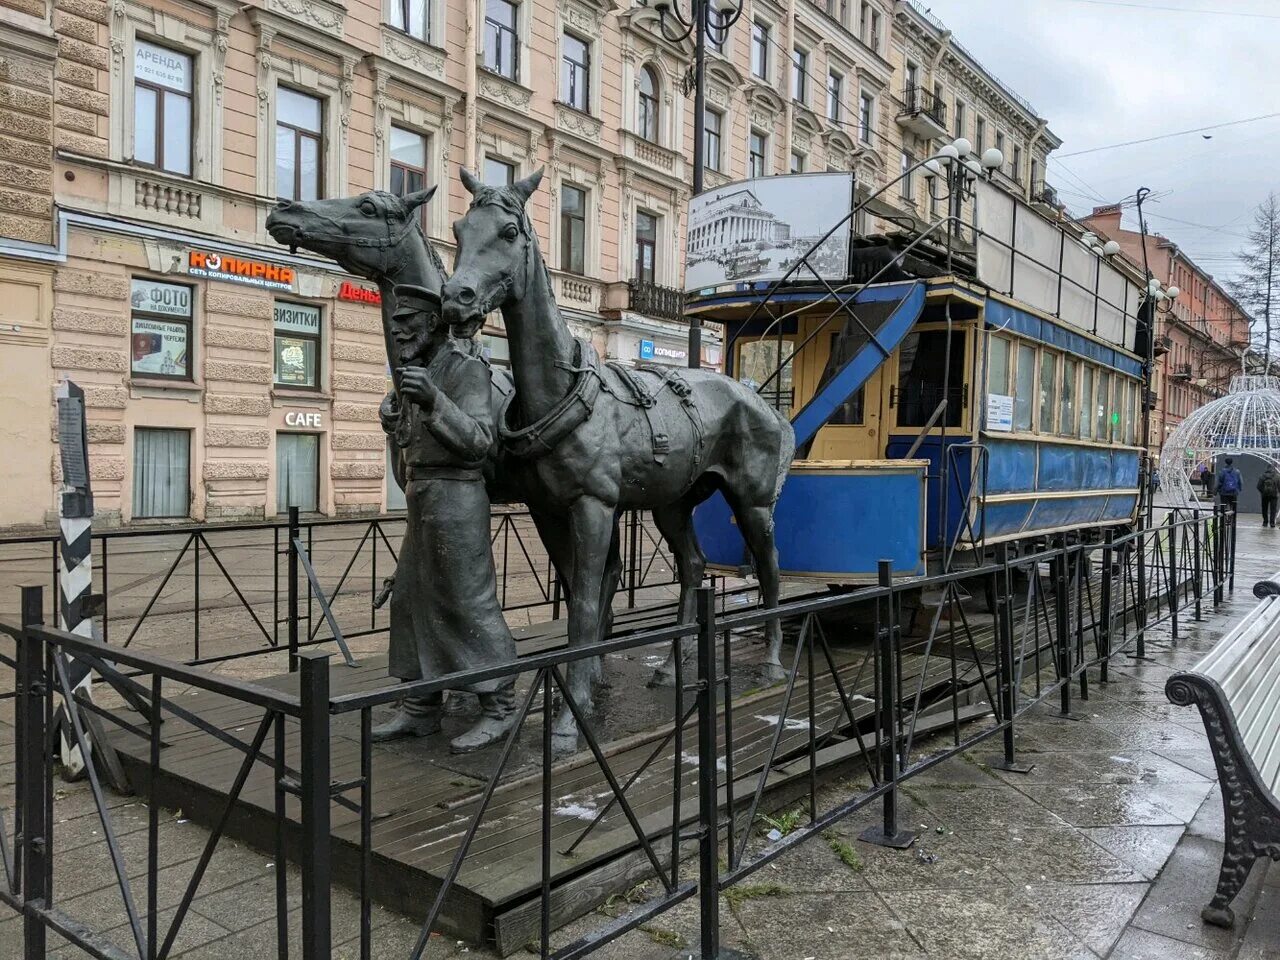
(756, 524)
(591, 525)
(675, 523)
(608, 589)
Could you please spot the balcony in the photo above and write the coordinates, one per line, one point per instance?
(1162, 346)
(1042, 192)
(654, 300)
(923, 113)
(1181, 371)
(1149, 399)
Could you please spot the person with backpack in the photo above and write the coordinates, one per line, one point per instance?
(1229, 485)
(1269, 487)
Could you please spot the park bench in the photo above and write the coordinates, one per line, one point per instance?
(1237, 688)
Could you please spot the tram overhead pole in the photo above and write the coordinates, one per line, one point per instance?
(700, 19)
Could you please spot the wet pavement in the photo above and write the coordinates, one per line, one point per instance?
(1108, 848)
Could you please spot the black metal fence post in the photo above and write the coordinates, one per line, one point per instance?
(1003, 595)
(1141, 625)
(888, 834)
(292, 573)
(708, 801)
(35, 774)
(1108, 577)
(1219, 554)
(1197, 564)
(1233, 515)
(1174, 599)
(1062, 625)
(314, 760)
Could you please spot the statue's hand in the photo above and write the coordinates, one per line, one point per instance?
(415, 383)
(389, 412)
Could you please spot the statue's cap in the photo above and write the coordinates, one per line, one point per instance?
(411, 298)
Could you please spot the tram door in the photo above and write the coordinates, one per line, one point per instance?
(854, 431)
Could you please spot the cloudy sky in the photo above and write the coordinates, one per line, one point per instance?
(1107, 71)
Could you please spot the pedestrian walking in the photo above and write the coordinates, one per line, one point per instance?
(1229, 485)
(1269, 487)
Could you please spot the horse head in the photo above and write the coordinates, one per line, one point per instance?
(497, 252)
(366, 234)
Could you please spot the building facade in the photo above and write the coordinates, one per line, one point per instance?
(1201, 339)
(144, 142)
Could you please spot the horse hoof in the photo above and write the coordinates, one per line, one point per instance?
(563, 744)
(662, 678)
(772, 672)
(1219, 917)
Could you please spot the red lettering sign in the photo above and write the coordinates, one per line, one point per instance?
(358, 294)
(226, 267)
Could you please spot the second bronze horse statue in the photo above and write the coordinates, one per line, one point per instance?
(598, 439)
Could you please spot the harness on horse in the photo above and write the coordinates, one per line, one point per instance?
(541, 437)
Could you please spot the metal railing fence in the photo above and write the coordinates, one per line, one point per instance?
(887, 701)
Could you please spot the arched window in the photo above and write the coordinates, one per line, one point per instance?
(647, 108)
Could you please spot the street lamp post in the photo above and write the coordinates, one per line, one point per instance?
(704, 18)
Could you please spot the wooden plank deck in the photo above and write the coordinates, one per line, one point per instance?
(424, 798)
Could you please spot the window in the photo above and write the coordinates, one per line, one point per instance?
(913, 82)
(835, 91)
(757, 147)
(297, 345)
(799, 75)
(960, 117)
(1035, 173)
(870, 27)
(921, 369)
(646, 246)
(160, 329)
(716, 38)
(853, 411)
(395, 496)
(797, 162)
(908, 179)
(573, 229)
(760, 50)
(408, 163)
(1067, 419)
(298, 133)
(1016, 171)
(499, 173)
(1086, 402)
(1000, 142)
(501, 43)
(647, 106)
(980, 134)
(575, 73)
(162, 108)
(496, 350)
(866, 116)
(757, 361)
(412, 17)
(1024, 387)
(297, 472)
(1127, 410)
(1102, 407)
(161, 473)
(711, 138)
(1048, 390)
(998, 366)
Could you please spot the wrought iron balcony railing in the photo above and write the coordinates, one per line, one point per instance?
(918, 100)
(654, 300)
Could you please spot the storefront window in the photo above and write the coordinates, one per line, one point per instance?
(298, 472)
(160, 329)
(161, 473)
(297, 346)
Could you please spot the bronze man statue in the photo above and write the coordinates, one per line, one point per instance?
(445, 615)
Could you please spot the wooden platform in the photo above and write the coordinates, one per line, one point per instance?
(425, 798)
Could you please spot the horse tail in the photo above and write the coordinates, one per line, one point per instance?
(786, 450)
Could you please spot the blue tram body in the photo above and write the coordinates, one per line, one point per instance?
(1039, 434)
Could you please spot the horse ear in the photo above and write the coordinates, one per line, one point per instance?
(469, 180)
(524, 188)
(412, 201)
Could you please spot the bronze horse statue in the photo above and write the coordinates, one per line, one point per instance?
(598, 439)
(379, 236)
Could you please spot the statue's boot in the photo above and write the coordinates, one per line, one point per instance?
(415, 717)
(497, 714)
(458, 703)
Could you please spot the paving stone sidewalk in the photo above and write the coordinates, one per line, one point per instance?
(1108, 848)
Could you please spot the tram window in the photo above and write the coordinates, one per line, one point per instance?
(1129, 393)
(851, 413)
(998, 366)
(1048, 390)
(1102, 407)
(1067, 422)
(1086, 402)
(757, 360)
(921, 371)
(1024, 387)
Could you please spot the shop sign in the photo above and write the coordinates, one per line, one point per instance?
(656, 351)
(358, 294)
(999, 412)
(165, 299)
(255, 273)
(160, 347)
(301, 418)
(298, 318)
